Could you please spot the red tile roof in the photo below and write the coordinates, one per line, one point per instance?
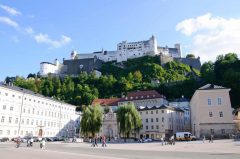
(106, 102)
(140, 95)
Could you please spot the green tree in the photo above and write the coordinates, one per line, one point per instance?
(91, 120)
(128, 120)
(190, 56)
(207, 72)
(137, 75)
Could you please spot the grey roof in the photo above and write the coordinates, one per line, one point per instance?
(211, 86)
(164, 106)
(180, 100)
(26, 91)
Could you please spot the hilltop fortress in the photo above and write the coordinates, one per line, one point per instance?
(89, 62)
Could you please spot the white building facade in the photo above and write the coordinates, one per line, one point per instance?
(125, 50)
(160, 121)
(25, 113)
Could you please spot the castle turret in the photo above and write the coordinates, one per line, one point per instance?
(73, 54)
(153, 45)
(57, 62)
(178, 47)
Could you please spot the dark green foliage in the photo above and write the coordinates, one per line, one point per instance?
(176, 79)
(225, 71)
(190, 56)
(129, 120)
(91, 121)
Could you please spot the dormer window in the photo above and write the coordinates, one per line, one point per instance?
(147, 96)
(131, 97)
(141, 96)
(154, 95)
(136, 97)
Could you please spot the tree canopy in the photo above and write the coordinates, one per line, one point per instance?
(128, 119)
(175, 79)
(91, 121)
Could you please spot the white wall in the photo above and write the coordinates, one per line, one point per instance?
(29, 113)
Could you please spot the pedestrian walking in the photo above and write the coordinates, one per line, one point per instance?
(18, 141)
(162, 140)
(104, 141)
(204, 139)
(95, 141)
(43, 144)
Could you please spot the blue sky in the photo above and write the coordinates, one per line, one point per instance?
(36, 31)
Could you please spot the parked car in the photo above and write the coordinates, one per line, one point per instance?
(50, 139)
(35, 139)
(4, 139)
(148, 140)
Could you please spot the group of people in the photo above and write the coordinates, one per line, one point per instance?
(169, 141)
(30, 142)
(210, 138)
(102, 140)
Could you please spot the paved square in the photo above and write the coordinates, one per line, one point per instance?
(221, 149)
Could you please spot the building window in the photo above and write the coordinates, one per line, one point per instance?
(11, 108)
(162, 119)
(210, 114)
(151, 112)
(146, 112)
(6, 94)
(156, 119)
(156, 111)
(8, 132)
(10, 120)
(219, 101)
(151, 119)
(141, 113)
(162, 111)
(147, 127)
(209, 101)
(2, 119)
(147, 120)
(22, 121)
(1, 132)
(16, 120)
(152, 127)
(4, 107)
(221, 114)
(157, 127)
(223, 131)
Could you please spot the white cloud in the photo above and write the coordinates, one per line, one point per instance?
(211, 36)
(8, 21)
(44, 38)
(10, 10)
(29, 30)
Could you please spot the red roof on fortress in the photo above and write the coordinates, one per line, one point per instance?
(106, 102)
(140, 95)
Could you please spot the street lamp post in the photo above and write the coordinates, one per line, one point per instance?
(194, 129)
